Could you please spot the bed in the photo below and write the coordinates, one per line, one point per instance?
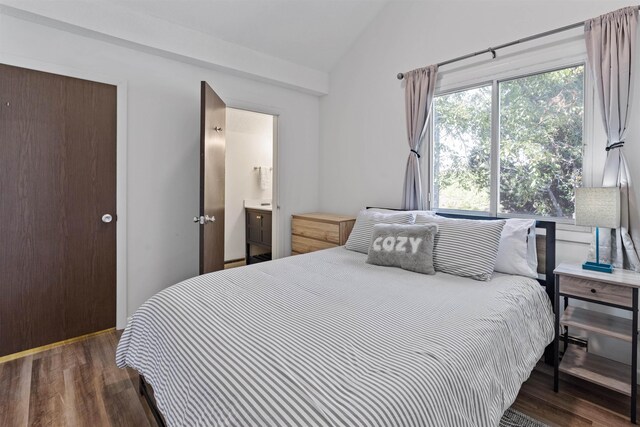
(325, 339)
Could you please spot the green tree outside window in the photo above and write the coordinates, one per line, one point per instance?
(540, 140)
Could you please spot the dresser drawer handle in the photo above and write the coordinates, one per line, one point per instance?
(593, 291)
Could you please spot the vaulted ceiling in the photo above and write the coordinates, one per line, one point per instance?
(313, 33)
(293, 43)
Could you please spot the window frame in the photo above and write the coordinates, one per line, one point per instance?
(431, 130)
(503, 74)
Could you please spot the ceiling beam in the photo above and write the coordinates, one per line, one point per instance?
(114, 24)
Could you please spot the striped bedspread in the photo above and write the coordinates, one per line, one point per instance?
(326, 340)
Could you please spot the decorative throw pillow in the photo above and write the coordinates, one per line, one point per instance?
(360, 236)
(409, 247)
(465, 247)
(517, 253)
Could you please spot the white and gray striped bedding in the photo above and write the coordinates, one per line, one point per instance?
(465, 247)
(325, 339)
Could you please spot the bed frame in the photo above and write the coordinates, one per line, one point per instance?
(147, 392)
(546, 250)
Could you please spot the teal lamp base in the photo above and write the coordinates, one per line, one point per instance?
(597, 266)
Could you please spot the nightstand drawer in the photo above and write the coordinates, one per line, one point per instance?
(605, 292)
(303, 245)
(316, 230)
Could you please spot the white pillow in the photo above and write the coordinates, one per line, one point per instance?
(532, 250)
(360, 236)
(517, 253)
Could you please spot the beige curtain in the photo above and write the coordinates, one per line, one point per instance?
(419, 90)
(611, 43)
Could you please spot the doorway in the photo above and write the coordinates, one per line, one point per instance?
(250, 210)
(58, 208)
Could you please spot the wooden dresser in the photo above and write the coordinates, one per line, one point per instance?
(315, 231)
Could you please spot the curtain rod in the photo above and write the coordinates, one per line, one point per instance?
(492, 50)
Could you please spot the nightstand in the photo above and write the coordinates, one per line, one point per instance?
(316, 231)
(618, 289)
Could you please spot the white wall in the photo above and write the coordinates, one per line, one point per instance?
(163, 143)
(116, 23)
(363, 147)
(363, 137)
(249, 143)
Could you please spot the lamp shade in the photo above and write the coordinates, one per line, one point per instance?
(598, 207)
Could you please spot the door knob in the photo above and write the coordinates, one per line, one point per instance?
(106, 218)
(217, 129)
(202, 220)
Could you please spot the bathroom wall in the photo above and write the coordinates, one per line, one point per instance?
(249, 140)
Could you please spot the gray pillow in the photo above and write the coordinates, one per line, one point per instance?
(409, 247)
(360, 236)
(465, 247)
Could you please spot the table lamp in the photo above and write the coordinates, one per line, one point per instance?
(598, 207)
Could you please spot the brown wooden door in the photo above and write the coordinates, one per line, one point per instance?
(57, 180)
(212, 151)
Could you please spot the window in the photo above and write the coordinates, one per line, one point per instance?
(462, 150)
(532, 127)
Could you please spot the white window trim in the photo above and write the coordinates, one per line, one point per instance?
(547, 57)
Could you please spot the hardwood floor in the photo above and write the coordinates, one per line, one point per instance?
(74, 385)
(79, 385)
(577, 403)
(234, 264)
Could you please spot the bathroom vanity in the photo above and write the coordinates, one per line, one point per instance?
(258, 233)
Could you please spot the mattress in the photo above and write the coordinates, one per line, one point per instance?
(324, 339)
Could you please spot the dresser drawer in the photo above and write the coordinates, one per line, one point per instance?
(302, 245)
(605, 292)
(316, 230)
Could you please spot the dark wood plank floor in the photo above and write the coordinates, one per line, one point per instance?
(577, 403)
(80, 385)
(74, 385)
